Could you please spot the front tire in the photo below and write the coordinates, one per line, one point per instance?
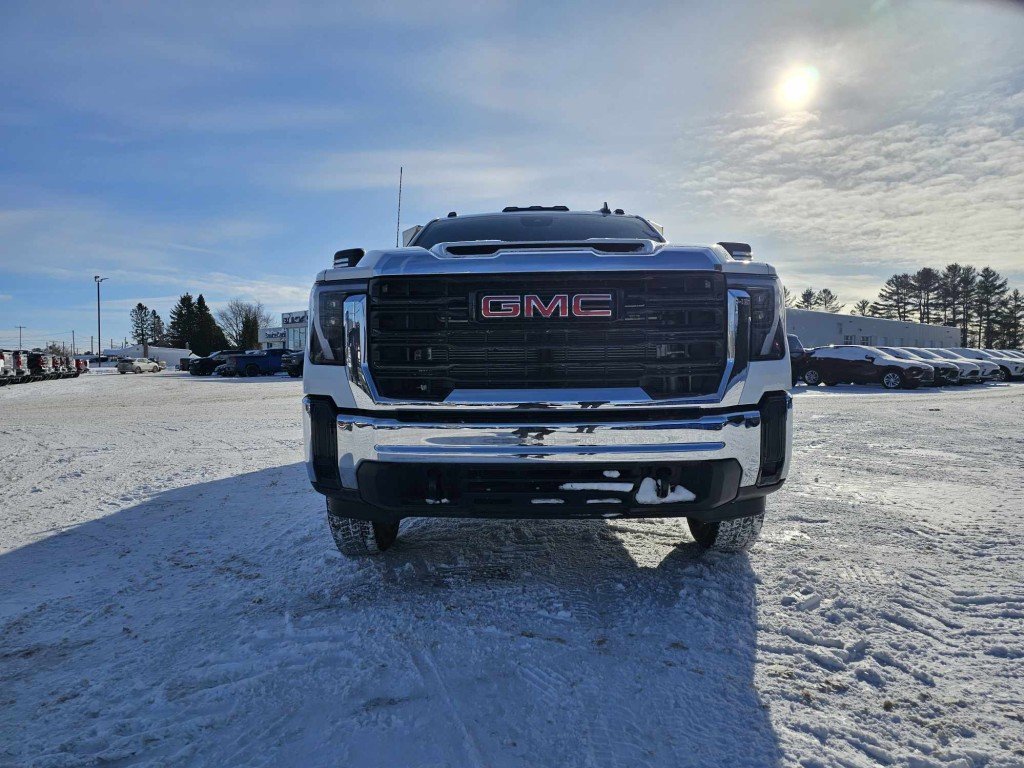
(736, 535)
(893, 380)
(355, 537)
(1003, 375)
(812, 377)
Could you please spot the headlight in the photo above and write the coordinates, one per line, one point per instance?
(327, 315)
(767, 317)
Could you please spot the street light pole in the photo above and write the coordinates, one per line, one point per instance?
(99, 327)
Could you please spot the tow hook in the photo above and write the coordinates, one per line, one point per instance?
(661, 482)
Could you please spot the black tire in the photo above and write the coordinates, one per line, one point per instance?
(122, 372)
(894, 379)
(736, 535)
(252, 370)
(1003, 374)
(355, 537)
(294, 374)
(812, 377)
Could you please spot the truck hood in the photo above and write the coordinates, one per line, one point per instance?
(599, 255)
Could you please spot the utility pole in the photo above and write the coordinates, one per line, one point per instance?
(73, 352)
(20, 329)
(99, 327)
(398, 219)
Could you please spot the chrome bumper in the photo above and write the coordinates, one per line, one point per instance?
(735, 435)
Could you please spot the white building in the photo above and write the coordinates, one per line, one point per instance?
(291, 334)
(169, 355)
(816, 329)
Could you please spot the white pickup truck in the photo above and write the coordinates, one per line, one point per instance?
(546, 363)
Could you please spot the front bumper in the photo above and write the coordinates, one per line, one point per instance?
(726, 454)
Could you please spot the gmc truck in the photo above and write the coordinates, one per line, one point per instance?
(544, 363)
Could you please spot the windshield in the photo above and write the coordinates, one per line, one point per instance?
(527, 227)
(892, 352)
(947, 354)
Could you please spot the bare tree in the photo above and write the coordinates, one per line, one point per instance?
(242, 321)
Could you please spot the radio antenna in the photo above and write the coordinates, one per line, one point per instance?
(398, 219)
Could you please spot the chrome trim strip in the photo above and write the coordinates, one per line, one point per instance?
(724, 436)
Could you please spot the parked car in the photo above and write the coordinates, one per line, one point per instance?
(1014, 353)
(1010, 368)
(293, 362)
(969, 372)
(161, 363)
(255, 362)
(137, 365)
(865, 365)
(798, 355)
(6, 368)
(81, 366)
(184, 362)
(989, 370)
(204, 366)
(945, 371)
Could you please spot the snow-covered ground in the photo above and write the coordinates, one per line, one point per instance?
(169, 595)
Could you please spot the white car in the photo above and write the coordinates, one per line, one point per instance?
(989, 370)
(1009, 367)
(137, 365)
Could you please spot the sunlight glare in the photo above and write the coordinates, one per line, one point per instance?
(798, 87)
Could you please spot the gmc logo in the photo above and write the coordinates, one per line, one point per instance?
(559, 305)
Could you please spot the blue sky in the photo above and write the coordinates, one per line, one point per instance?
(231, 148)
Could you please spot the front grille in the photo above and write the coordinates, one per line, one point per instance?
(667, 335)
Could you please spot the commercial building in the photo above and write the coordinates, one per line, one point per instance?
(170, 355)
(291, 334)
(817, 329)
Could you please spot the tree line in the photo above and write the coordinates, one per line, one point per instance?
(978, 302)
(193, 326)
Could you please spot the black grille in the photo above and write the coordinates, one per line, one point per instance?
(667, 335)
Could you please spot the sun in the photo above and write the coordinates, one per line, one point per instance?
(797, 87)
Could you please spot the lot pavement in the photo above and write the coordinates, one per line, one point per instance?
(170, 595)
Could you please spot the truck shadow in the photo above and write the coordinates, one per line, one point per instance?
(216, 624)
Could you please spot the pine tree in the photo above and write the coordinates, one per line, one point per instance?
(862, 308)
(807, 300)
(989, 293)
(896, 299)
(142, 326)
(209, 336)
(827, 301)
(182, 330)
(1011, 320)
(967, 295)
(926, 286)
(157, 330)
(788, 299)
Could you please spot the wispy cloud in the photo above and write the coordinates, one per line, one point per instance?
(911, 193)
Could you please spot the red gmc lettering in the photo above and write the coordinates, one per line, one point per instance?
(578, 310)
(558, 306)
(508, 306)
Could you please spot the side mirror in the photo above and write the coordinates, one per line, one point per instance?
(870, 357)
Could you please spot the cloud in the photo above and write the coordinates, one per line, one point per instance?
(5, 297)
(915, 192)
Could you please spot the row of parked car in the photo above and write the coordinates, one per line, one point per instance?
(18, 366)
(902, 367)
(240, 362)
